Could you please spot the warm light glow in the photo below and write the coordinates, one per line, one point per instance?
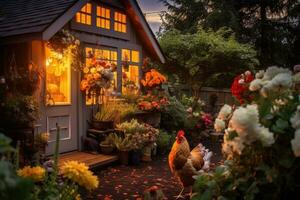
(58, 78)
(84, 15)
(120, 22)
(132, 74)
(135, 56)
(126, 55)
(130, 55)
(103, 17)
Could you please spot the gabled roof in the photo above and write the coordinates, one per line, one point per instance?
(46, 17)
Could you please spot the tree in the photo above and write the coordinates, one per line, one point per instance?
(272, 26)
(196, 58)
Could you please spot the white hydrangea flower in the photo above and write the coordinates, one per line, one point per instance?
(295, 120)
(271, 72)
(245, 119)
(260, 74)
(225, 112)
(296, 143)
(256, 85)
(265, 136)
(219, 125)
(280, 82)
(235, 145)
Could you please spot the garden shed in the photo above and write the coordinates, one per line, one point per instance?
(114, 31)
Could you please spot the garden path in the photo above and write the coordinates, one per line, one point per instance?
(129, 182)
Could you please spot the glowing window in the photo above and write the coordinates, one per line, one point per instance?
(58, 78)
(135, 56)
(103, 17)
(84, 16)
(130, 79)
(126, 55)
(120, 22)
(107, 55)
(130, 56)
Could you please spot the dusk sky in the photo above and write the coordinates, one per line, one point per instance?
(149, 6)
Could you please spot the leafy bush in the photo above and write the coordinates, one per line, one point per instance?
(173, 116)
(164, 141)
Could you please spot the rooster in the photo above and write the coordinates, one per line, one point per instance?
(186, 164)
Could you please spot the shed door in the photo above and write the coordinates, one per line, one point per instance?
(61, 102)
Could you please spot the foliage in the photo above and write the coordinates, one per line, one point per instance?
(11, 185)
(18, 111)
(173, 116)
(65, 43)
(272, 26)
(73, 178)
(121, 143)
(261, 143)
(138, 134)
(106, 113)
(164, 141)
(195, 58)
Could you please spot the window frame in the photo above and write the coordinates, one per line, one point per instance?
(86, 14)
(99, 17)
(120, 22)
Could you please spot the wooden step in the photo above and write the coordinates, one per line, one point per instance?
(90, 159)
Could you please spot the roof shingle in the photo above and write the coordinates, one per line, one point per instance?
(30, 16)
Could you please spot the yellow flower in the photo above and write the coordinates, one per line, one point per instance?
(78, 197)
(36, 174)
(80, 174)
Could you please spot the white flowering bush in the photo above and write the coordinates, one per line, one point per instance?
(261, 144)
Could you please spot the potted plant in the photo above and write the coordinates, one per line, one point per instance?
(107, 146)
(123, 144)
(104, 119)
(140, 135)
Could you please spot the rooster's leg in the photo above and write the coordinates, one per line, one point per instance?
(180, 194)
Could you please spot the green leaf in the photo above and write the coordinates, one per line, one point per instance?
(282, 124)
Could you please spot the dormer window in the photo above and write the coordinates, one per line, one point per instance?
(103, 17)
(84, 16)
(120, 22)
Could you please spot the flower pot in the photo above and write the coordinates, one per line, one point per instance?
(102, 125)
(106, 149)
(147, 154)
(123, 157)
(135, 157)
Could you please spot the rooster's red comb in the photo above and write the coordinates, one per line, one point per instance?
(180, 133)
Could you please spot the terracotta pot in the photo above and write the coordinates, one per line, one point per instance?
(123, 157)
(102, 125)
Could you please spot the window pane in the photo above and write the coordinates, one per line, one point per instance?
(125, 55)
(130, 76)
(123, 28)
(89, 20)
(107, 13)
(135, 56)
(107, 26)
(58, 78)
(78, 17)
(89, 8)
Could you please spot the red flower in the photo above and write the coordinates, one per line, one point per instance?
(240, 85)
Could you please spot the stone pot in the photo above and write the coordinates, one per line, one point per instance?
(123, 157)
(106, 149)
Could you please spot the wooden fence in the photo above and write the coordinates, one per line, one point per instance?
(208, 94)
